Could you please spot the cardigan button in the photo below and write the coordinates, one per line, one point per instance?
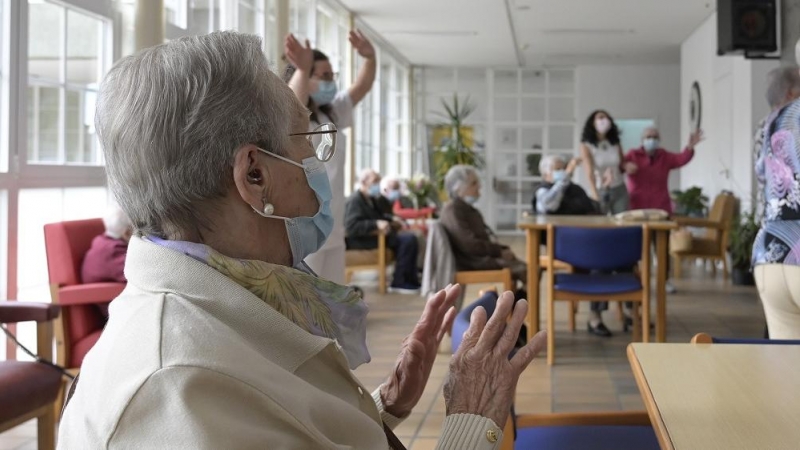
(491, 436)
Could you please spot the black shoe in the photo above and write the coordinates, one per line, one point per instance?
(599, 330)
(628, 323)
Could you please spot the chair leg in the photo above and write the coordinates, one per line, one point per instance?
(725, 272)
(551, 330)
(713, 266)
(620, 314)
(637, 323)
(572, 311)
(676, 267)
(46, 429)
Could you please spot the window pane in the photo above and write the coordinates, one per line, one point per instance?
(176, 12)
(43, 108)
(44, 41)
(299, 19)
(81, 145)
(84, 35)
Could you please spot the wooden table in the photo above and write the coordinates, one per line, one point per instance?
(535, 224)
(720, 396)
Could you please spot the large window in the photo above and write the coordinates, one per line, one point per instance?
(68, 52)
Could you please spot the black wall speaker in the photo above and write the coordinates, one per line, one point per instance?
(749, 27)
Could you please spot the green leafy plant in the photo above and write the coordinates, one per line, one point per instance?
(421, 189)
(742, 236)
(458, 147)
(691, 202)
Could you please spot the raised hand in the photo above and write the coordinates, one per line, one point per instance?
(405, 385)
(482, 378)
(573, 164)
(299, 55)
(362, 45)
(695, 138)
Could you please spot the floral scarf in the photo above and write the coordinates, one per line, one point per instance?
(318, 306)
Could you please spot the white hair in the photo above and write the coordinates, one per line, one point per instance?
(116, 223)
(364, 175)
(171, 118)
(548, 162)
(456, 178)
(780, 83)
(386, 182)
(649, 129)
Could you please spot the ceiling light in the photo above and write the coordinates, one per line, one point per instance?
(432, 33)
(589, 31)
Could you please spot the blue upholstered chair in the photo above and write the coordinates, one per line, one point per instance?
(605, 256)
(563, 431)
(703, 338)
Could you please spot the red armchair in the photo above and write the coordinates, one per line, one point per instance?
(29, 390)
(81, 322)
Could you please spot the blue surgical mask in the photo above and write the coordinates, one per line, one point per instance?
(559, 175)
(471, 199)
(650, 144)
(375, 190)
(308, 234)
(325, 94)
(393, 195)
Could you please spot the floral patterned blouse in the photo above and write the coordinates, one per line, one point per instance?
(778, 173)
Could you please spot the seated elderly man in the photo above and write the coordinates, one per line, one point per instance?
(367, 213)
(474, 244)
(105, 259)
(557, 194)
(223, 337)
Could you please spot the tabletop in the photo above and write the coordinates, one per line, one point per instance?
(720, 396)
(542, 221)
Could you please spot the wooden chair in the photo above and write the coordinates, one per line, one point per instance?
(713, 245)
(599, 249)
(375, 259)
(29, 390)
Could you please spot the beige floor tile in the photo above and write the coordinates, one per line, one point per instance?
(424, 444)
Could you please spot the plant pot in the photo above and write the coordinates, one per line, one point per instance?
(742, 276)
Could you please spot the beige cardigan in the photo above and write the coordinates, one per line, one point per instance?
(189, 359)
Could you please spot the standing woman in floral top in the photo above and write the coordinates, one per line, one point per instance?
(776, 253)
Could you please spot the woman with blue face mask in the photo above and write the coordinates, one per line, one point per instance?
(222, 337)
(312, 78)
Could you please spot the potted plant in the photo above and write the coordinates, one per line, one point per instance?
(420, 189)
(742, 236)
(457, 148)
(690, 202)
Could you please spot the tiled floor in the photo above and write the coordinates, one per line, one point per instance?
(591, 374)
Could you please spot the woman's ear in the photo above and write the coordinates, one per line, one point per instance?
(250, 176)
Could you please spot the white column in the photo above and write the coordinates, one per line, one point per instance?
(150, 23)
(790, 31)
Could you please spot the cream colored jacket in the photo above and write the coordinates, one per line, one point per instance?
(190, 359)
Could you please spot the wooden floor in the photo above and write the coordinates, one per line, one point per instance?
(591, 373)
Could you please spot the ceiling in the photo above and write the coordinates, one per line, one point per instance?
(534, 32)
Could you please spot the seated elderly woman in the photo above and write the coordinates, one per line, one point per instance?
(222, 338)
(474, 244)
(105, 259)
(367, 213)
(557, 194)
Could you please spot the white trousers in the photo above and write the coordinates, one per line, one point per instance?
(779, 288)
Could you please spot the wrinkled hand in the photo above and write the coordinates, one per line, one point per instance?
(695, 138)
(573, 164)
(302, 57)
(362, 45)
(401, 392)
(507, 254)
(383, 226)
(630, 168)
(482, 378)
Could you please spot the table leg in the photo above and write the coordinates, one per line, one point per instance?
(661, 285)
(532, 250)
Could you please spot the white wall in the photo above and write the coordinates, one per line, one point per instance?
(733, 103)
(634, 92)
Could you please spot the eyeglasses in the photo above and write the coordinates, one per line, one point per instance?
(322, 140)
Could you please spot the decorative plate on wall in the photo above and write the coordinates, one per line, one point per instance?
(695, 107)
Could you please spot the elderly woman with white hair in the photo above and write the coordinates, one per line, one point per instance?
(105, 259)
(223, 338)
(474, 244)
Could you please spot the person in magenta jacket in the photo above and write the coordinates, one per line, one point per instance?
(648, 180)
